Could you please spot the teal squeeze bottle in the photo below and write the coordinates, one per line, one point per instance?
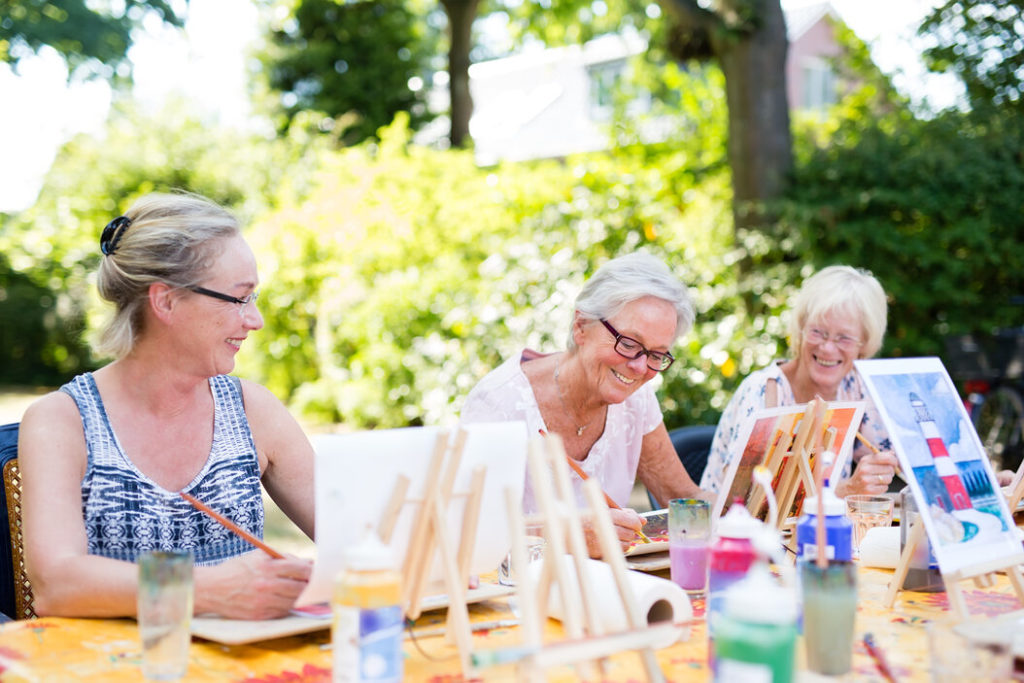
(755, 634)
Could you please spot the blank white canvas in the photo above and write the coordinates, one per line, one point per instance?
(356, 475)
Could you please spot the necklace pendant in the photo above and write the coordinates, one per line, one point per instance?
(579, 430)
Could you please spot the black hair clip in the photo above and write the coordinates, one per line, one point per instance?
(112, 234)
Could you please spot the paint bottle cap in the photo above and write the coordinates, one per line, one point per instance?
(758, 598)
(738, 523)
(834, 507)
(369, 554)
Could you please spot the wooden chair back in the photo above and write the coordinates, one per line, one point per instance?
(15, 590)
(23, 607)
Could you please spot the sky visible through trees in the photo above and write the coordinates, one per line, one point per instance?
(208, 64)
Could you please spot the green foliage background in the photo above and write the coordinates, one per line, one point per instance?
(395, 276)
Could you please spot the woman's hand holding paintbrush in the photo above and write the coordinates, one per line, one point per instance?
(873, 473)
(257, 585)
(611, 503)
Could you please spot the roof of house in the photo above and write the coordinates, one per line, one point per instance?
(800, 18)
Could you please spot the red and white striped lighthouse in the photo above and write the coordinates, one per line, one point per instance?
(944, 465)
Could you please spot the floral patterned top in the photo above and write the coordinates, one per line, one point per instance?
(749, 398)
(505, 394)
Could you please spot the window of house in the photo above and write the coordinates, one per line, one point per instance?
(819, 85)
(606, 82)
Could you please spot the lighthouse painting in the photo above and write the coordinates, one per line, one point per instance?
(953, 495)
(943, 461)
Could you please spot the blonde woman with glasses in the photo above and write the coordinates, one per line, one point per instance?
(105, 459)
(839, 316)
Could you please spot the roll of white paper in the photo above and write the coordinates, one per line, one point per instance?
(659, 599)
(880, 547)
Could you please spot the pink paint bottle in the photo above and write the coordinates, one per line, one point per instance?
(731, 556)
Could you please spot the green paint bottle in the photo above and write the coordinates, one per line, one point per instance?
(755, 635)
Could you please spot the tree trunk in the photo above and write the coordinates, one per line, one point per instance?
(760, 141)
(748, 37)
(461, 14)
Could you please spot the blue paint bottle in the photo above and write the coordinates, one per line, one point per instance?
(838, 530)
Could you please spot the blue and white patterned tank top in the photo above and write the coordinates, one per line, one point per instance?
(126, 513)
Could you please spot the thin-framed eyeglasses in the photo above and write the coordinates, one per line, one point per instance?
(630, 348)
(844, 342)
(241, 301)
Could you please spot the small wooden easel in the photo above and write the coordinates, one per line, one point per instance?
(1015, 491)
(982, 573)
(587, 645)
(430, 536)
(790, 472)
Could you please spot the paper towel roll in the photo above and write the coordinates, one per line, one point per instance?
(880, 547)
(659, 599)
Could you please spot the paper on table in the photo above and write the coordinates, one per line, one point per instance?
(659, 599)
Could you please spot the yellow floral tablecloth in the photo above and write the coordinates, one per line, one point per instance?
(52, 649)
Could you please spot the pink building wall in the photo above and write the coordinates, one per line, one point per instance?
(817, 42)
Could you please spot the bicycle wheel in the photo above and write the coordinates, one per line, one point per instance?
(1000, 424)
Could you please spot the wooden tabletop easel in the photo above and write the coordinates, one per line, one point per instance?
(983, 574)
(431, 538)
(792, 471)
(587, 646)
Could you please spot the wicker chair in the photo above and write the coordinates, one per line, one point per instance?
(15, 590)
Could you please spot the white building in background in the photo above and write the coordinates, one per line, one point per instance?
(558, 101)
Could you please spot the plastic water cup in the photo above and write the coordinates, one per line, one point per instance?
(507, 570)
(867, 512)
(689, 540)
(165, 613)
(830, 608)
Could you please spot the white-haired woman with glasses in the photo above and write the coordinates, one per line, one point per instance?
(105, 459)
(838, 316)
(596, 395)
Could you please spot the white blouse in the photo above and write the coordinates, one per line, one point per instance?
(505, 394)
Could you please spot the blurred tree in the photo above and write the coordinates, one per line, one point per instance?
(92, 37)
(33, 343)
(982, 42)
(461, 14)
(356, 62)
(355, 59)
(934, 207)
(53, 247)
(748, 40)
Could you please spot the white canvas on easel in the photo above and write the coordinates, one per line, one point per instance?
(356, 476)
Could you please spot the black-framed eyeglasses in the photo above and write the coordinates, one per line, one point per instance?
(241, 301)
(630, 348)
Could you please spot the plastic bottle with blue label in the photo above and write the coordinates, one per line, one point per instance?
(838, 529)
(368, 621)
